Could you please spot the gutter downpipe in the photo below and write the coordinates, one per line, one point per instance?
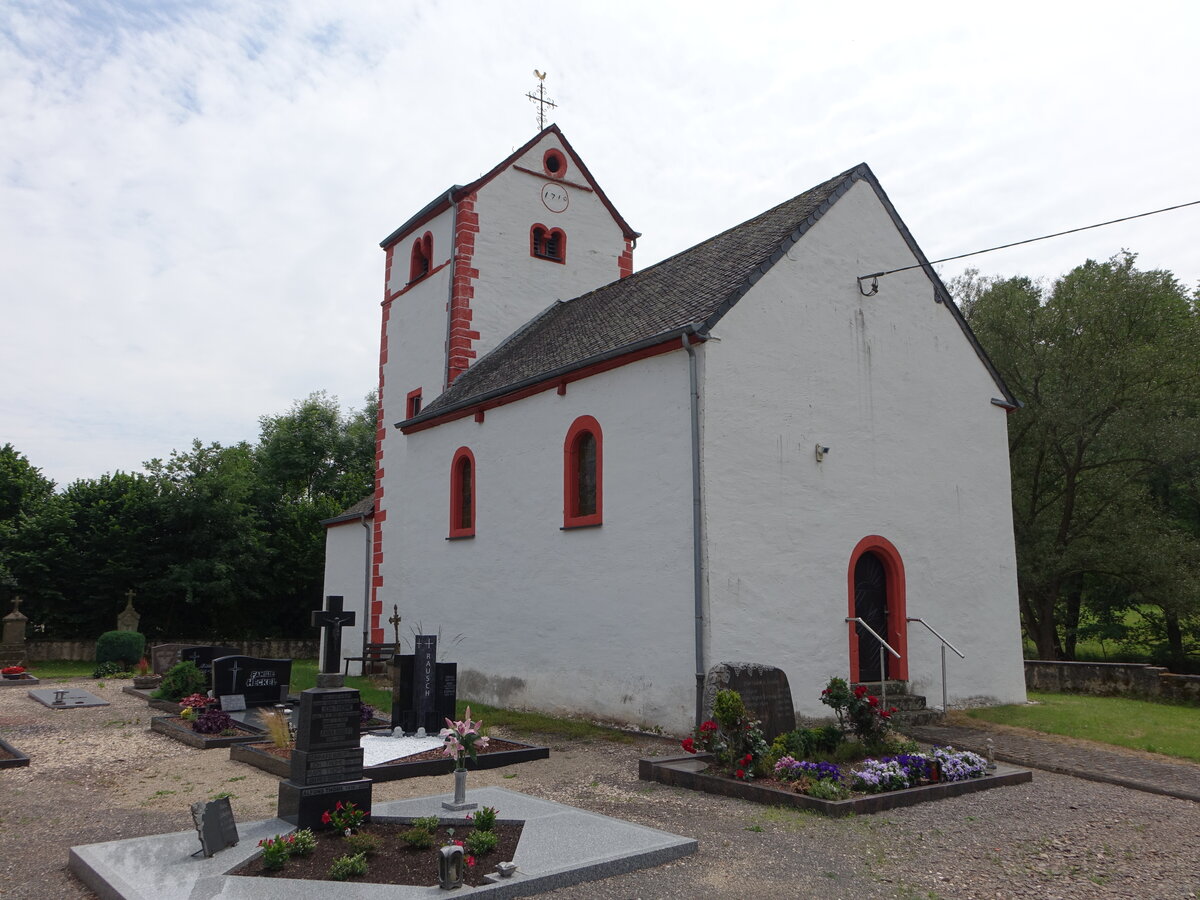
(697, 521)
(366, 583)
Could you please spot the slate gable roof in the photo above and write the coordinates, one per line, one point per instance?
(690, 291)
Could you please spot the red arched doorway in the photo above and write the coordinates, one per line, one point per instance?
(875, 587)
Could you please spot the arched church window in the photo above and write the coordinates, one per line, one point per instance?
(548, 243)
(422, 258)
(462, 494)
(583, 474)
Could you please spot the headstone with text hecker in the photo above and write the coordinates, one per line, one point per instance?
(327, 761)
(263, 682)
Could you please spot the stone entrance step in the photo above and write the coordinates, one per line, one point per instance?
(911, 709)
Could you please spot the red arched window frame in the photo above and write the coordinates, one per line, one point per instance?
(583, 474)
(422, 258)
(462, 494)
(548, 243)
(897, 636)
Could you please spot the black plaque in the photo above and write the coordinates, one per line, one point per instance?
(264, 682)
(215, 825)
(326, 766)
(329, 719)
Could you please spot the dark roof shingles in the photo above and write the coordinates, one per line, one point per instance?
(688, 288)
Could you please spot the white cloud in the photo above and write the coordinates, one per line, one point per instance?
(192, 196)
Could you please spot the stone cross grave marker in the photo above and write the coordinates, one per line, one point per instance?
(263, 682)
(327, 761)
(332, 619)
(128, 618)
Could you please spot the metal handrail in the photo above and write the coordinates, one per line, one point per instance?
(945, 644)
(882, 646)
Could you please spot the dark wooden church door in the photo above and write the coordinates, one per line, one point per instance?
(870, 605)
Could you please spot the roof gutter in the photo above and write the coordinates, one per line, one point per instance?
(552, 376)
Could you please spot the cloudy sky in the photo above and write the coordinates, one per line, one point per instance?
(192, 194)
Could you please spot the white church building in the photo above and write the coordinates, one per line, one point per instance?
(607, 481)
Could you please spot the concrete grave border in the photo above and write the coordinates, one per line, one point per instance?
(18, 758)
(169, 726)
(560, 846)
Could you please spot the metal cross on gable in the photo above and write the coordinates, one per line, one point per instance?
(333, 619)
(540, 99)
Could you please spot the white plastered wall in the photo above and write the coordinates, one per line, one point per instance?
(345, 576)
(917, 454)
(594, 621)
(514, 286)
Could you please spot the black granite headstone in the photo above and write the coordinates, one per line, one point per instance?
(424, 683)
(215, 824)
(327, 761)
(264, 682)
(404, 711)
(203, 657)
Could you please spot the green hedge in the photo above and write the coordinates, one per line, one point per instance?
(124, 647)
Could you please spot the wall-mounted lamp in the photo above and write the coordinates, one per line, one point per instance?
(820, 452)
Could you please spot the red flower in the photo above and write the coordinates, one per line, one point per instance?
(824, 692)
(859, 691)
(746, 759)
(338, 805)
(710, 725)
(874, 701)
(325, 818)
(689, 745)
(885, 713)
(470, 860)
(740, 773)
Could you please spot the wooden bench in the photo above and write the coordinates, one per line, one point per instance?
(373, 655)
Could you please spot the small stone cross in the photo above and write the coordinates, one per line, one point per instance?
(333, 619)
(129, 595)
(395, 621)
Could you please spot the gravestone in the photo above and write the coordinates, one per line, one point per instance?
(407, 689)
(764, 691)
(327, 761)
(263, 682)
(164, 657)
(215, 825)
(12, 647)
(203, 657)
(128, 618)
(66, 698)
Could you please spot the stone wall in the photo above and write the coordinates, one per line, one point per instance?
(1111, 679)
(85, 651)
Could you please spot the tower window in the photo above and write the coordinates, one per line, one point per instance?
(548, 243)
(422, 258)
(414, 403)
(583, 474)
(554, 163)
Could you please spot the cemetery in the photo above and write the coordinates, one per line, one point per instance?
(334, 797)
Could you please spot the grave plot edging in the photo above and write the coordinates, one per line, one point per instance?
(165, 725)
(686, 772)
(281, 768)
(24, 680)
(18, 758)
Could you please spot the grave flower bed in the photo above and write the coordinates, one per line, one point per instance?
(16, 676)
(823, 768)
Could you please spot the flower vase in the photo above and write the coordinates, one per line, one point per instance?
(460, 793)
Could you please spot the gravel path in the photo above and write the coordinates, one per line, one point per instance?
(100, 774)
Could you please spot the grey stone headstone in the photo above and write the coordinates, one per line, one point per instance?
(764, 691)
(164, 657)
(215, 825)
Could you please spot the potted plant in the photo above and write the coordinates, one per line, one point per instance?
(145, 680)
(463, 739)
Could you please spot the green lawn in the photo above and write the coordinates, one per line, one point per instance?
(1137, 724)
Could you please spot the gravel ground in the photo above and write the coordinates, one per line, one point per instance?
(99, 774)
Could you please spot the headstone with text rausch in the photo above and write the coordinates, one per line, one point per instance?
(263, 682)
(406, 691)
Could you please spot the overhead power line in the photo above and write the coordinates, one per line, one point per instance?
(875, 276)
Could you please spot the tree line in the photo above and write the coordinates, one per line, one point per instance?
(216, 541)
(1105, 453)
